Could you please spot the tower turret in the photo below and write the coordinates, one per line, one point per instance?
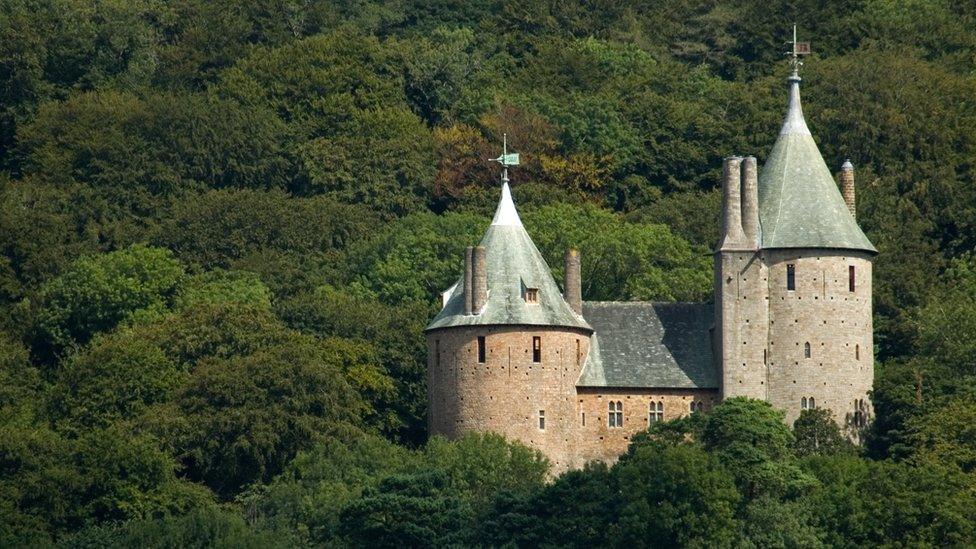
(511, 365)
(809, 318)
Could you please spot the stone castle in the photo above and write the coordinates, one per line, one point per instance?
(790, 322)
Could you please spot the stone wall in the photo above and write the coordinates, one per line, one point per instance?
(506, 393)
(834, 321)
(597, 440)
(741, 323)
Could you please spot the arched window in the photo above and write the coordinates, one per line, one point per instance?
(860, 413)
(656, 412)
(857, 352)
(811, 403)
(615, 417)
(803, 403)
(806, 350)
(701, 406)
(691, 407)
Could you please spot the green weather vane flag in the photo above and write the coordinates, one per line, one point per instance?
(506, 159)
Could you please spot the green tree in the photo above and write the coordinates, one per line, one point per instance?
(815, 433)
(418, 510)
(676, 496)
(751, 439)
(240, 419)
(621, 260)
(97, 293)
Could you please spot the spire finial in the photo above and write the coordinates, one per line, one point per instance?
(506, 159)
(794, 122)
(506, 213)
(796, 50)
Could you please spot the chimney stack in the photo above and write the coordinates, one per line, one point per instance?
(847, 186)
(732, 236)
(468, 279)
(572, 282)
(750, 201)
(479, 279)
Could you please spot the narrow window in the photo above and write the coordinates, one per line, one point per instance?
(611, 415)
(481, 349)
(806, 350)
(857, 352)
(579, 352)
(790, 276)
(536, 349)
(765, 359)
(620, 414)
(811, 403)
(542, 420)
(531, 295)
(803, 403)
(437, 353)
(584, 419)
(850, 278)
(692, 407)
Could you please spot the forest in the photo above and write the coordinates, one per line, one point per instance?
(224, 225)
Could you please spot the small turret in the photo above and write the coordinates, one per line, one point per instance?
(732, 236)
(847, 186)
(572, 284)
(750, 202)
(479, 279)
(468, 279)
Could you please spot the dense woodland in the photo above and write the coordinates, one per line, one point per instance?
(224, 225)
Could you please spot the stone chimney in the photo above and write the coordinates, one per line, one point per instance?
(732, 236)
(847, 186)
(750, 202)
(479, 279)
(468, 279)
(572, 282)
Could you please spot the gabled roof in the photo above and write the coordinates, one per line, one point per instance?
(642, 344)
(513, 264)
(799, 203)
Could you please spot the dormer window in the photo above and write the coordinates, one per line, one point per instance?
(532, 295)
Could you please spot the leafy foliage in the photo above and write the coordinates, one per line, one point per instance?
(224, 225)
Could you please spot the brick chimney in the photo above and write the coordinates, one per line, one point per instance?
(479, 279)
(750, 202)
(847, 186)
(732, 236)
(468, 278)
(572, 283)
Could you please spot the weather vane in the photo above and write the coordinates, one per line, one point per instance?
(798, 49)
(506, 159)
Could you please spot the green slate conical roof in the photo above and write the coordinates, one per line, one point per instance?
(513, 264)
(800, 205)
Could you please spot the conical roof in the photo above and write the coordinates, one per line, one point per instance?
(799, 203)
(513, 264)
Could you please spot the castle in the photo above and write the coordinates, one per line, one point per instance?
(790, 322)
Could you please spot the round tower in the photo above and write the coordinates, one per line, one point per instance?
(506, 350)
(819, 345)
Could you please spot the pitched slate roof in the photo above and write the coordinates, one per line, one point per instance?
(513, 264)
(799, 203)
(643, 344)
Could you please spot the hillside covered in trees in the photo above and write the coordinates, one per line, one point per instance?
(224, 225)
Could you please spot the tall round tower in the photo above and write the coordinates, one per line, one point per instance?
(809, 281)
(506, 350)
